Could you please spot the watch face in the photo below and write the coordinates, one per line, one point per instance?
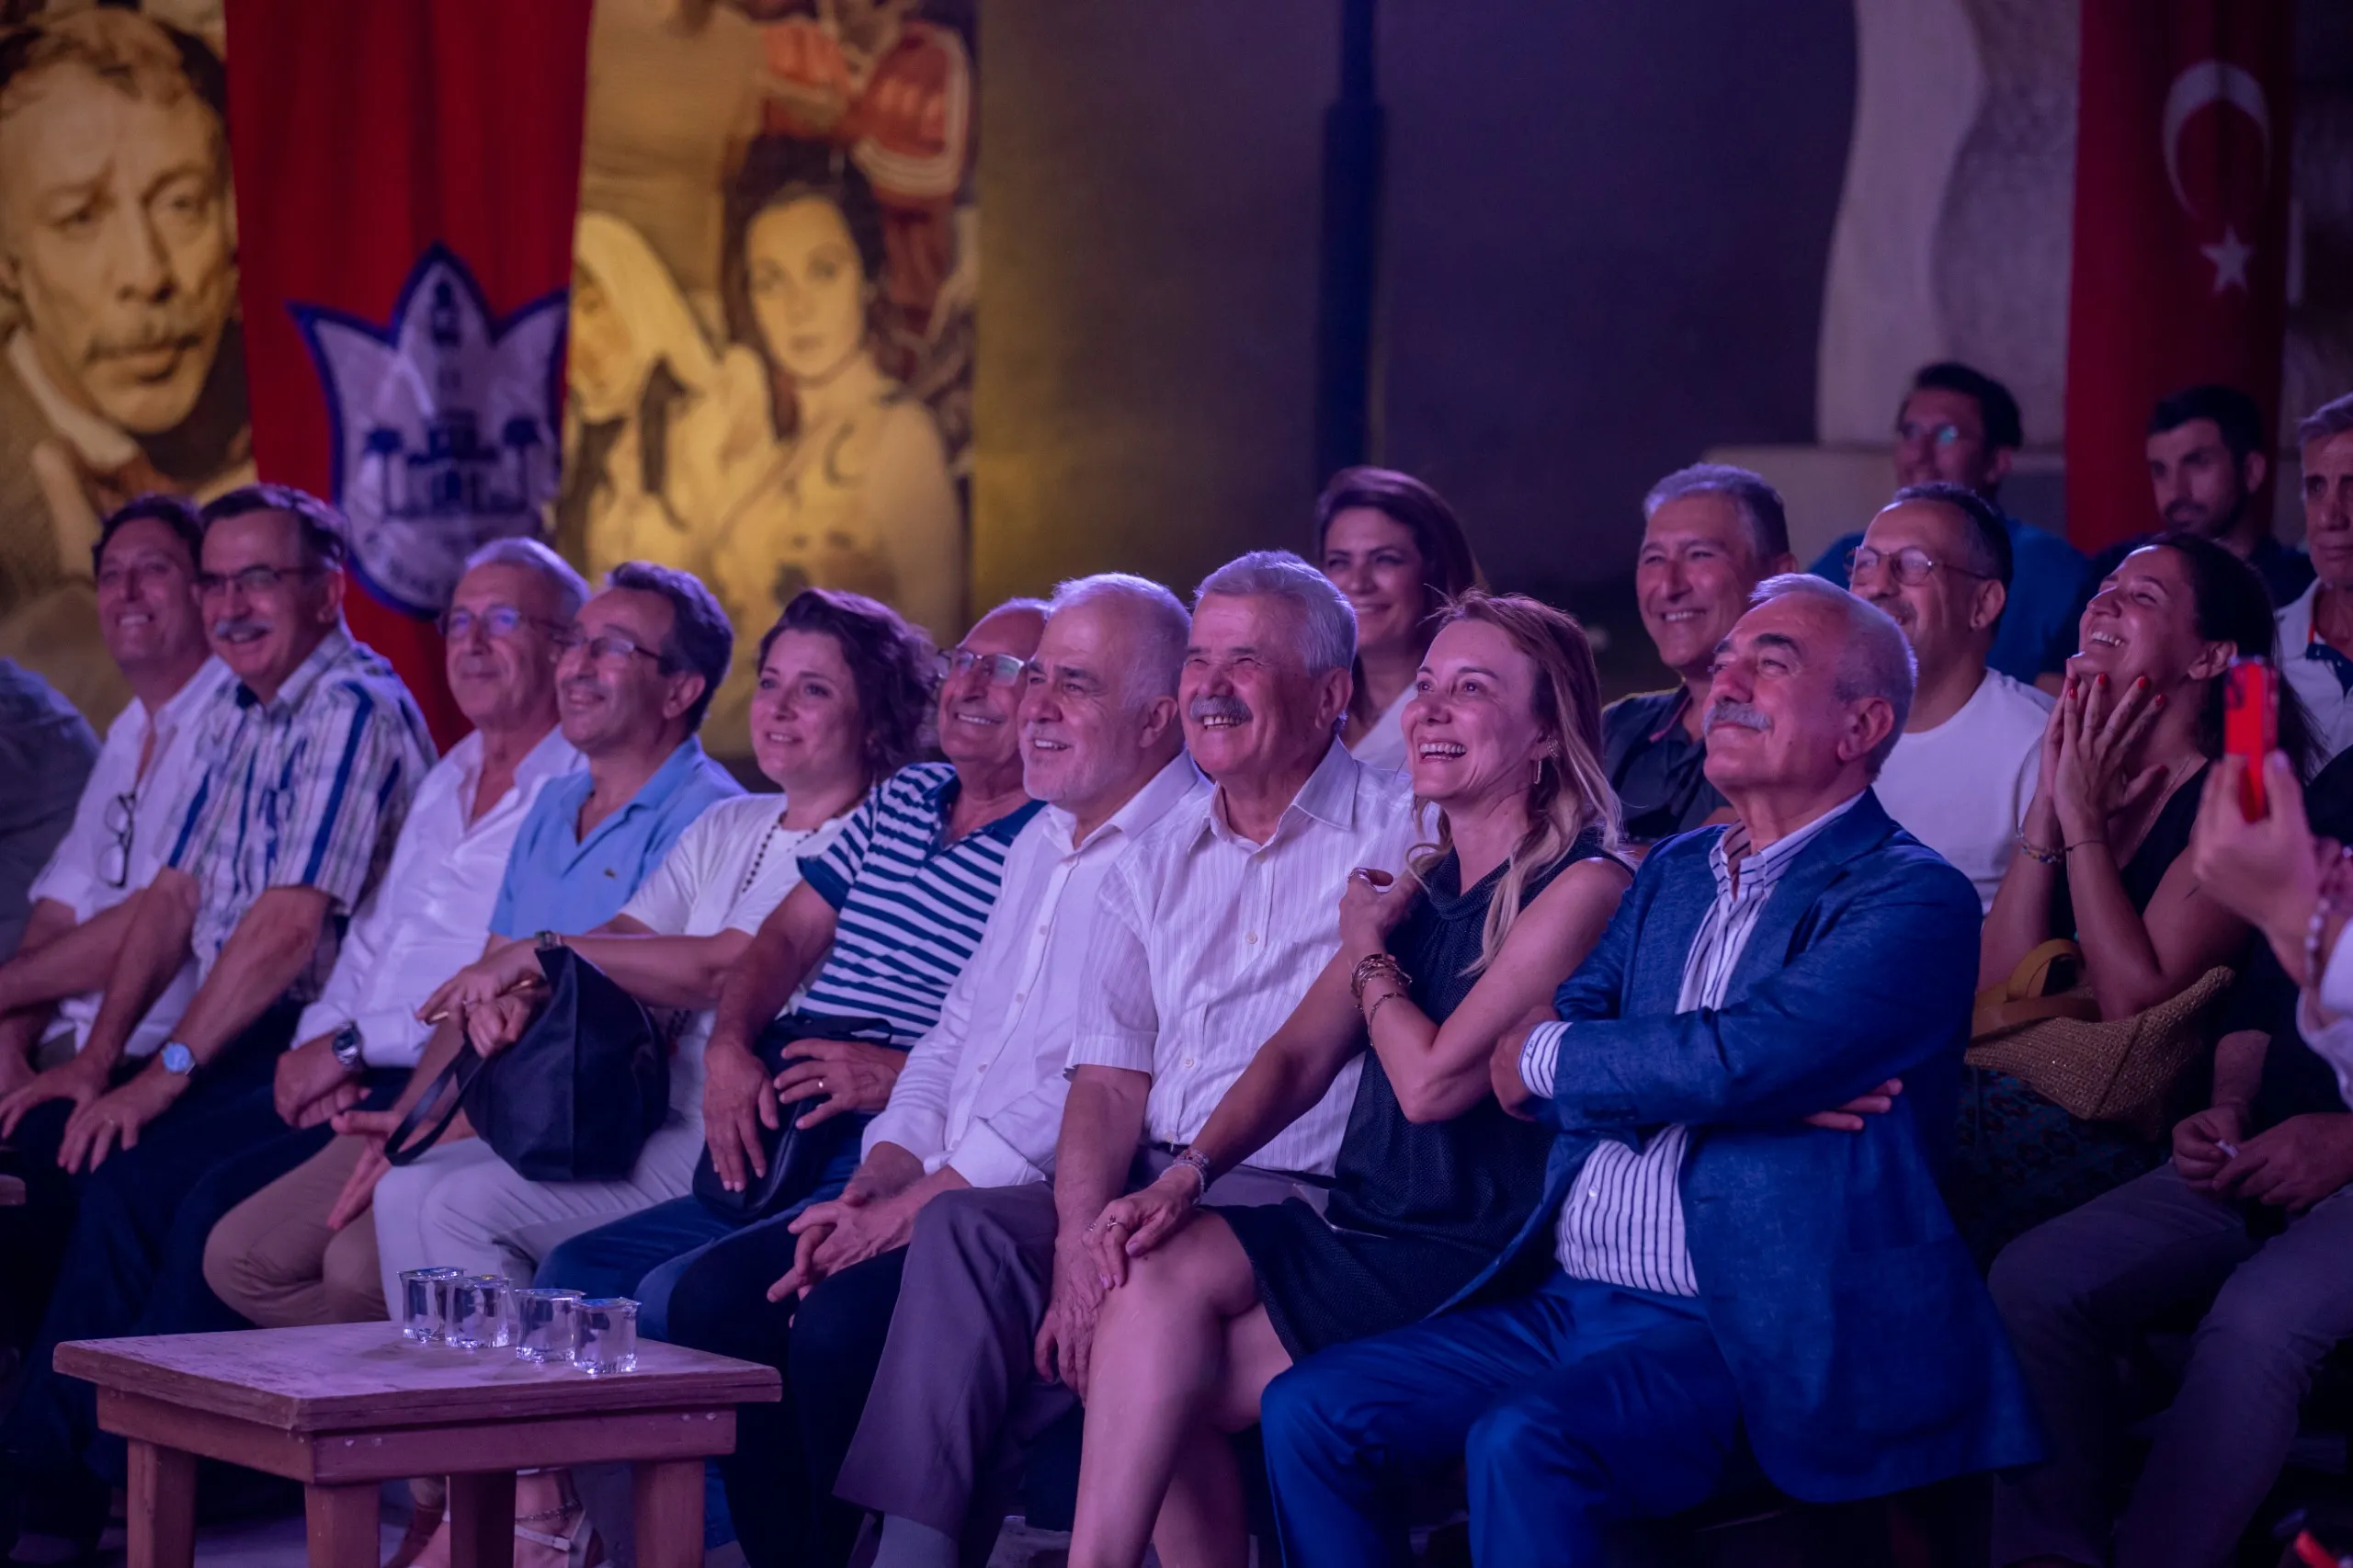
(178, 1058)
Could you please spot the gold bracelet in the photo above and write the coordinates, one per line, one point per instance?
(1373, 964)
(1378, 1003)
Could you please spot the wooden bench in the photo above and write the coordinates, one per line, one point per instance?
(344, 1408)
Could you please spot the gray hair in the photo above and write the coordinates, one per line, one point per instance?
(570, 588)
(1759, 504)
(702, 639)
(1150, 613)
(1328, 622)
(2332, 418)
(1874, 661)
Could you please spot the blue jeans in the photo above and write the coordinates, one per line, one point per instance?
(644, 1256)
(1574, 1407)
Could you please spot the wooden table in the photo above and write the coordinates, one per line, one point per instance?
(344, 1408)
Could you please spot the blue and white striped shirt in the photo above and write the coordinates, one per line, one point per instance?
(308, 790)
(909, 908)
(1622, 1222)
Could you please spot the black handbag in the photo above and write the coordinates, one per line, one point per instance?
(574, 1099)
(796, 1157)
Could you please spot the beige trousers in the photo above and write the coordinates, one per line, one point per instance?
(273, 1258)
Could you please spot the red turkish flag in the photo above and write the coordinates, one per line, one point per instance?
(407, 178)
(2181, 232)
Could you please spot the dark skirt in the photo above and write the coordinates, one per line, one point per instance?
(1323, 1287)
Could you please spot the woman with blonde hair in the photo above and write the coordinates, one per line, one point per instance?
(1433, 1179)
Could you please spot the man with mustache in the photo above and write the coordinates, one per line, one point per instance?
(1710, 533)
(1206, 937)
(145, 563)
(119, 250)
(1936, 560)
(1721, 1272)
(312, 755)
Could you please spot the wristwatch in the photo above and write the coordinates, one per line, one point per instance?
(346, 1046)
(176, 1058)
(547, 939)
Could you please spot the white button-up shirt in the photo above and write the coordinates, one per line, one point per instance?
(430, 915)
(141, 809)
(1622, 1222)
(1206, 941)
(982, 1091)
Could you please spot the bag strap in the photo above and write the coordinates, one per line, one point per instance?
(461, 1071)
(2032, 978)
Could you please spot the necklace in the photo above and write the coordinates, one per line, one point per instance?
(759, 857)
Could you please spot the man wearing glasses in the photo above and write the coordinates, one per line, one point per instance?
(309, 760)
(1959, 426)
(1937, 561)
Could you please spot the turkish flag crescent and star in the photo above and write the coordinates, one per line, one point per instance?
(2181, 232)
(407, 178)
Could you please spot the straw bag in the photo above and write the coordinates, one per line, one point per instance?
(2049, 1036)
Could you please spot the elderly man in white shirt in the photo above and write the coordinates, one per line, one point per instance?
(979, 1102)
(280, 1258)
(2316, 627)
(1207, 935)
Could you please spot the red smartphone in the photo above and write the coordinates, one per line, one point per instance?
(2251, 726)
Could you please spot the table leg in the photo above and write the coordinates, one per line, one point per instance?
(670, 1513)
(162, 1507)
(481, 1521)
(340, 1525)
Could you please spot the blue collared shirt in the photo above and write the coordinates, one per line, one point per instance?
(558, 881)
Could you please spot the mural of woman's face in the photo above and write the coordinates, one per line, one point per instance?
(808, 288)
(601, 361)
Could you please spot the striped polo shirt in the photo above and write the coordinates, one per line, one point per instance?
(308, 790)
(1622, 1222)
(909, 907)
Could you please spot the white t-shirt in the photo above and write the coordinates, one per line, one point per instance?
(728, 871)
(1963, 788)
(1383, 745)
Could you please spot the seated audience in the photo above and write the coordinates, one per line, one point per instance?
(2248, 1225)
(47, 750)
(1710, 535)
(881, 927)
(2316, 627)
(1392, 545)
(145, 566)
(275, 1259)
(273, 851)
(1731, 1287)
(1936, 560)
(1432, 1179)
(980, 1096)
(2209, 454)
(1959, 426)
(2100, 862)
(640, 663)
(1208, 934)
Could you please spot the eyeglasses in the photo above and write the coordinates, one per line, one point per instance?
(252, 580)
(114, 866)
(1911, 565)
(499, 622)
(605, 648)
(1003, 669)
(1943, 435)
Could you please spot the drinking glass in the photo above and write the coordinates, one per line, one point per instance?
(422, 1308)
(547, 1324)
(477, 1318)
(608, 1339)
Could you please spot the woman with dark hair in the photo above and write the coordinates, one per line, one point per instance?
(856, 494)
(1433, 1179)
(1393, 546)
(2100, 861)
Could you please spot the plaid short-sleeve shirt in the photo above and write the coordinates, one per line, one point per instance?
(308, 790)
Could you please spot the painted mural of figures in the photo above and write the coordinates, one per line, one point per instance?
(661, 430)
(857, 494)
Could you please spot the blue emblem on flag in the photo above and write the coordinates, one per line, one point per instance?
(444, 423)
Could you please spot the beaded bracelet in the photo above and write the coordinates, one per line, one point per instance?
(2038, 854)
(1196, 1162)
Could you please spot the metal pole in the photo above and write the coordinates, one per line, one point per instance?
(1348, 277)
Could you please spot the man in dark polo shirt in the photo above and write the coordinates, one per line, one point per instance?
(1710, 533)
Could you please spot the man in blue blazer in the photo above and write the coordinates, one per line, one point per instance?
(1726, 1278)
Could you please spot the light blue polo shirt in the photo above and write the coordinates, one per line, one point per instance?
(558, 881)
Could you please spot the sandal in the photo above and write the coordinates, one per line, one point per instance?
(422, 1520)
(578, 1545)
